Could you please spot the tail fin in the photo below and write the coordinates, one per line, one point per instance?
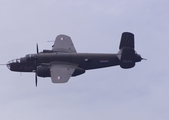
(127, 40)
(126, 54)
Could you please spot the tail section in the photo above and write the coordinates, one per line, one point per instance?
(127, 58)
(127, 55)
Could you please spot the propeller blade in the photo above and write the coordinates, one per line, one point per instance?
(36, 79)
(37, 48)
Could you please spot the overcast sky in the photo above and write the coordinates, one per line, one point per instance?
(140, 93)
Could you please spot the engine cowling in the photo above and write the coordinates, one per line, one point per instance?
(43, 71)
(127, 58)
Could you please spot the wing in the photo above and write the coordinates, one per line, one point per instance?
(63, 44)
(61, 73)
(127, 40)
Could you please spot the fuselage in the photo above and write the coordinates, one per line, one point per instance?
(85, 61)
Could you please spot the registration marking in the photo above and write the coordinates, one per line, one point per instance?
(104, 61)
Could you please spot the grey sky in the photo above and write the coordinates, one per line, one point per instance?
(140, 93)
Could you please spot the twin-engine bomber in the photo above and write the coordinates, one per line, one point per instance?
(63, 61)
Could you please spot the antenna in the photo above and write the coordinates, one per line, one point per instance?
(50, 41)
(2, 64)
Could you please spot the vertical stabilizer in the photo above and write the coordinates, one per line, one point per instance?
(126, 54)
(127, 40)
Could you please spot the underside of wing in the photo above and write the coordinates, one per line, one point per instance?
(63, 44)
(61, 73)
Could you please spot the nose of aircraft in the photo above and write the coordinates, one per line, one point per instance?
(8, 65)
(13, 64)
(21, 65)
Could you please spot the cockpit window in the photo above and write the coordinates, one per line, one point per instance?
(29, 56)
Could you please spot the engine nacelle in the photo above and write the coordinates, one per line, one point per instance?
(43, 71)
(127, 58)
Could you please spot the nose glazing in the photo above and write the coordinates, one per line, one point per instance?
(8, 65)
(12, 62)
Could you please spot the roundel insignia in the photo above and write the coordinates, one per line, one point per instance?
(59, 77)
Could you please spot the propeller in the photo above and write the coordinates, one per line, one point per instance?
(36, 79)
(37, 48)
(36, 76)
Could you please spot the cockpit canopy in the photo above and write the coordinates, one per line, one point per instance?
(30, 57)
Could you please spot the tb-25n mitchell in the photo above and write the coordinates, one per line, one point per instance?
(63, 61)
